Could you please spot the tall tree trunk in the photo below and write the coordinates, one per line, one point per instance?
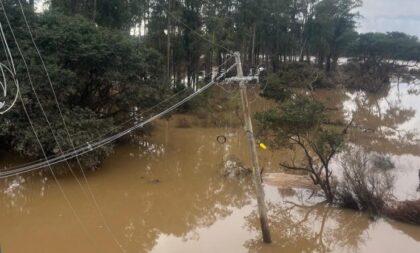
(328, 63)
(302, 50)
(168, 44)
(320, 60)
(254, 31)
(95, 5)
(32, 5)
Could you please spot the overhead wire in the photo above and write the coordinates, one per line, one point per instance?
(100, 143)
(76, 215)
(37, 97)
(119, 127)
(108, 140)
(188, 27)
(88, 186)
(13, 73)
(35, 93)
(191, 30)
(92, 146)
(112, 130)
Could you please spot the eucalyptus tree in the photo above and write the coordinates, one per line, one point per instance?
(335, 23)
(116, 14)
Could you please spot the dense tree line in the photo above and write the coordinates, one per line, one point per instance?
(264, 31)
(108, 57)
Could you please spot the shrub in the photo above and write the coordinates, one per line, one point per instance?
(364, 186)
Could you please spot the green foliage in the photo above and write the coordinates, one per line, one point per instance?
(117, 14)
(295, 116)
(327, 142)
(375, 57)
(276, 89)
(334, 25)
(99, 76)
(370, 76)
(296, 75)
(297, 124)
(301, 114)
(101, 73)
(102, 69)
(378, 47)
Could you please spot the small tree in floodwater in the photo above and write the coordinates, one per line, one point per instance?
(298, 124)
(366, 184)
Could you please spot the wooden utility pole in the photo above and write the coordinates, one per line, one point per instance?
(262, 210)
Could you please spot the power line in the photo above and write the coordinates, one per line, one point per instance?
(102, 136)
(120, 127)
(12, 73)
(92, 146)
(37, 97)
(48, 163)
(36, 134)
(92, 195)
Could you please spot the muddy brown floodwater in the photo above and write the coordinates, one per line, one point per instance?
(166, 194)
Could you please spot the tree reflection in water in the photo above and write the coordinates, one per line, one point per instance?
(385, 121)
(174, 189)
(310, 228)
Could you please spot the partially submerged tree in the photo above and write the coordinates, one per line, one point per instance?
(298, 125)
(364, 185)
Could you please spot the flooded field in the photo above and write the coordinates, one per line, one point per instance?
(167, 194)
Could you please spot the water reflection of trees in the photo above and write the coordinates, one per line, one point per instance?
(379, 122)
(378, 118)
(316, 228)
(180, 204)
(186, 197)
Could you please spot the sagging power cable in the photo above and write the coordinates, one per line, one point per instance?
(118, 128)
(11, 71)
(89, 189)
(73, 210)
(93, 146)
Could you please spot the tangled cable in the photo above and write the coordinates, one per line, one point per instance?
(6, 72)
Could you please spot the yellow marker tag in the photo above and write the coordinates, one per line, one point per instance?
(263, 146)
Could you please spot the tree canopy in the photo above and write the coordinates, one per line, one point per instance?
(107, 58)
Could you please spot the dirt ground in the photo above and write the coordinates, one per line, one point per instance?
(285, 181)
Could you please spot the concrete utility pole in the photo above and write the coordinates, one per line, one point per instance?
(262, 210)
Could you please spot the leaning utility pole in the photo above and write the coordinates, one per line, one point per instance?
(262, 210)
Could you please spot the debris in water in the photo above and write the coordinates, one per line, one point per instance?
(232, 167)
(221, 139)
(286, 181)
(263, 146)
(154, 181)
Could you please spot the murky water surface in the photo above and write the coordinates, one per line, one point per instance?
(167, 194)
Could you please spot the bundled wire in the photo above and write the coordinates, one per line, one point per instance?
(9, 70)
(122, 130)
(89, 147)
